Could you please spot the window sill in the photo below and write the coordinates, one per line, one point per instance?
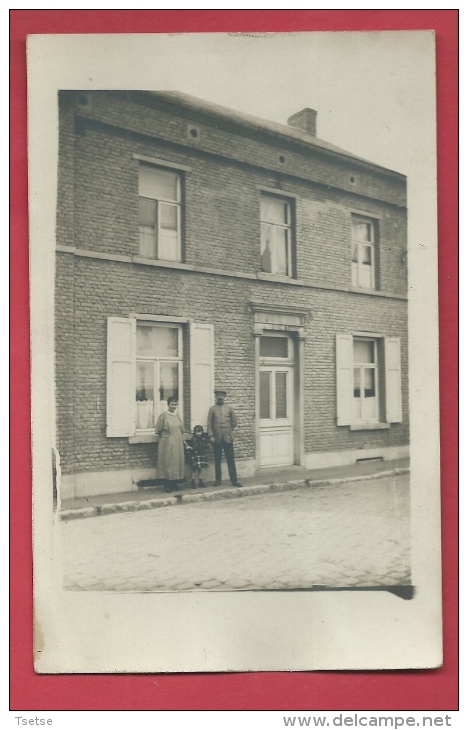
(275, 277)
(364, 289)
(143, 438)
(150, 438)
(162, 262)
(368, 426)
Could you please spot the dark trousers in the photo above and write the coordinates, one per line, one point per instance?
(231, 464)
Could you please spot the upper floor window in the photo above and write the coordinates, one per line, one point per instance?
(159, 213)
(276, 235)
(363, 252)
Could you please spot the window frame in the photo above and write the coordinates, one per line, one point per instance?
(157, 409)
(159, 202)
(276, 364)
(276, 359)
(289, 201)
(357, 269)
(273, 372)
(374, 366)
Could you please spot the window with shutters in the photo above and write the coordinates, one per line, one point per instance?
(368, 381)
(276, 235)
(364, 241)
(160, 201)
(147, 363)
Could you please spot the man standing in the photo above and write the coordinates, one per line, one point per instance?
(221, 424)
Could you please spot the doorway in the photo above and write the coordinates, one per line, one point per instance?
(276, 400)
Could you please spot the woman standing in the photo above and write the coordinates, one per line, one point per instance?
(171, 464)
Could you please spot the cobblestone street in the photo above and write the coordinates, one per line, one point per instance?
(348, 534)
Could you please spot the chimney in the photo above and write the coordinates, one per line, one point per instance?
(305, 120)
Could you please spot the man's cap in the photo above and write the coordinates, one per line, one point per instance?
(220, 391)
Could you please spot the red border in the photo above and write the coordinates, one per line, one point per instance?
(423, 690)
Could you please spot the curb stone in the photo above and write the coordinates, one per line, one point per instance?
(229, 493)
(76, 514)
(224, 493)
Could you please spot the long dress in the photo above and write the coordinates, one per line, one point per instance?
(171, 465)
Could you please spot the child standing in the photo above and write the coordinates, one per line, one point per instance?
(198, 455)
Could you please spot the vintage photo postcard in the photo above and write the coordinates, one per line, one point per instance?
(234, 352)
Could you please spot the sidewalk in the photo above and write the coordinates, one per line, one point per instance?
(268, 481)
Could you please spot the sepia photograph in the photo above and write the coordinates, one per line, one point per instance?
(226, 360)
(231, 322)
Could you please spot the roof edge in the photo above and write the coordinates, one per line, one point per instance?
(256, 124)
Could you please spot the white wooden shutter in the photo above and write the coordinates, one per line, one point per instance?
(344, 379)
(201, 373)
(120, 376)
(393, 380)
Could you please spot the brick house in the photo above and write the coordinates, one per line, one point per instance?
(200, 247)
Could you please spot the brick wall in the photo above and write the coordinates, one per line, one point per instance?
(98, 211)
(65, 352)
(66, 176)
(140, 114)
(222, 214)
(104, 288)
